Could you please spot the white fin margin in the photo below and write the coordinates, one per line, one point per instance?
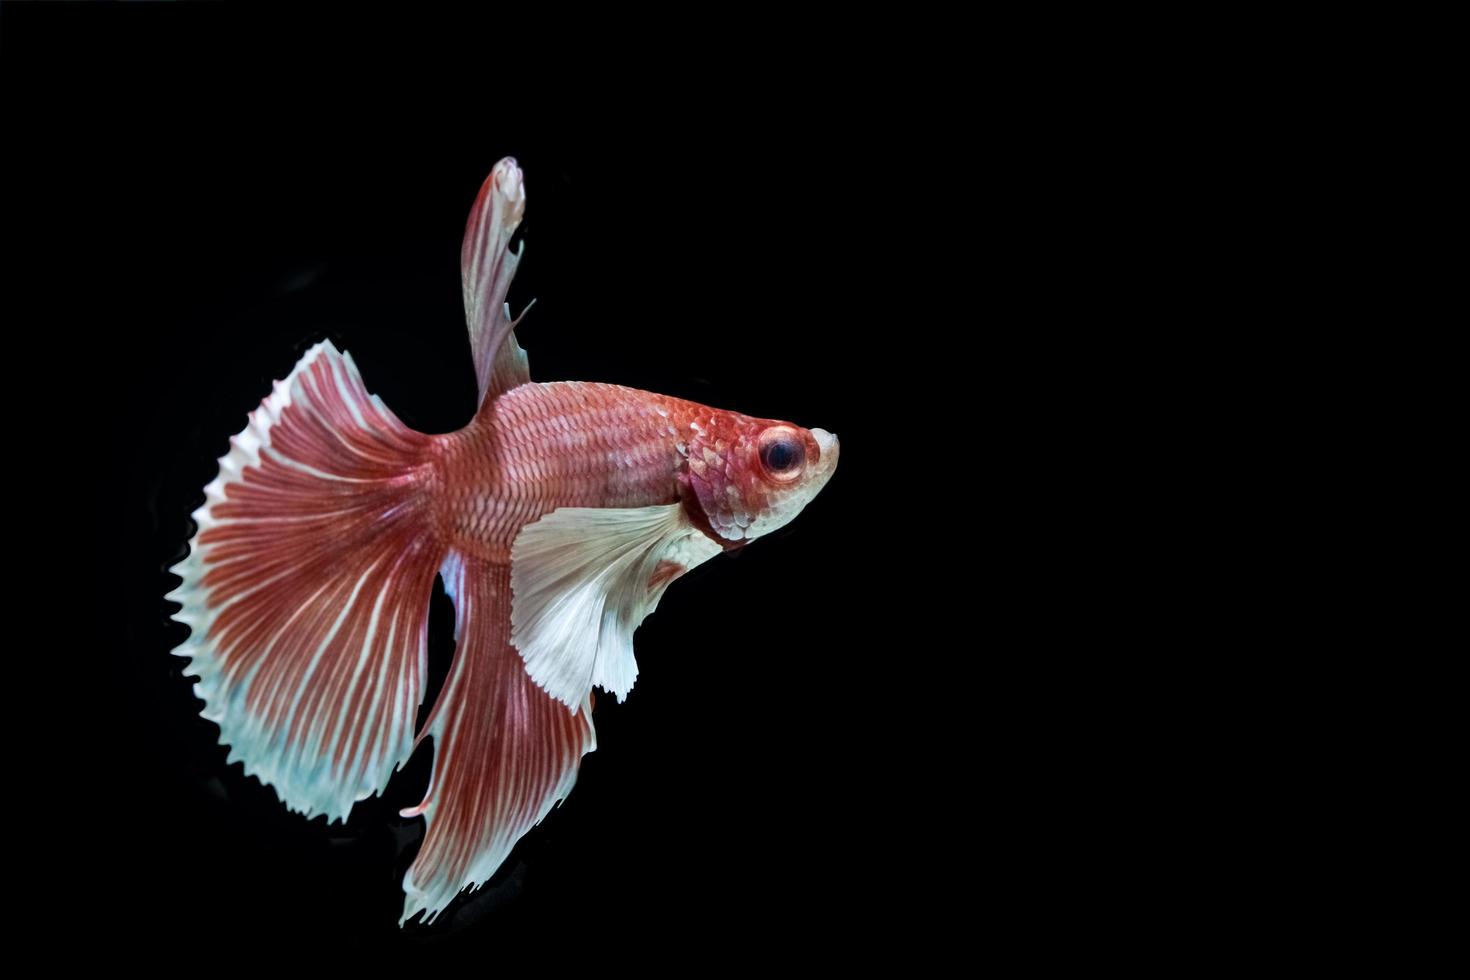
(249, 742)
(583, 579)
(301, 771)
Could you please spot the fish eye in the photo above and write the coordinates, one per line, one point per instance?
(782, 454)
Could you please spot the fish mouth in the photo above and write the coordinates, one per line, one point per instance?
(828, 445)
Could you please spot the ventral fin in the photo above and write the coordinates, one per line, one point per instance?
(583, 578)
(487, 266)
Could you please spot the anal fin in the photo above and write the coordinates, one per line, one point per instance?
(504, 752)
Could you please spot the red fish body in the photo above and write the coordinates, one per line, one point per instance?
(556, 518)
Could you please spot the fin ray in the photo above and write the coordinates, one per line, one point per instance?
(306, 589)
(583, 579)
(504, 752)
(487, 266)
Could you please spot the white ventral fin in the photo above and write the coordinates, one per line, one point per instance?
(582, 579)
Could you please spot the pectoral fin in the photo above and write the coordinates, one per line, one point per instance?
(583, 578)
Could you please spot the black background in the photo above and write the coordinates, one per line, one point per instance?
(200, 195)
(1015, 687)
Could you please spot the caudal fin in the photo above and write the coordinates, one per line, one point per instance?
(307, 586)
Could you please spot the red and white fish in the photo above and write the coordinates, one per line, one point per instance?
(557, 519)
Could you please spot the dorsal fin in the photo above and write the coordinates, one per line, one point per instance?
(511, 368)
(487, 266)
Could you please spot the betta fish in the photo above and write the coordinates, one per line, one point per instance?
(556, 519)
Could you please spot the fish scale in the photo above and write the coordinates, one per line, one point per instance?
(621, 449)
(556, 520)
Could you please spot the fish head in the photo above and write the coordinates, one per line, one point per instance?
(752, 476)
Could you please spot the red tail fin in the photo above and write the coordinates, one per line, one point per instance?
(307, 589)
